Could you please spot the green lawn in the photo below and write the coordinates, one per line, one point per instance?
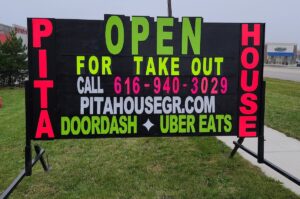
(283, 106)
(162, 168)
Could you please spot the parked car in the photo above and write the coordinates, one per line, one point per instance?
(298, 62)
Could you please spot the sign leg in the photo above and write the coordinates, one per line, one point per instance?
(236, 147)
(261, 136)
(38, 150)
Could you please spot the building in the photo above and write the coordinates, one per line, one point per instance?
(20, 32)
(4, 31)
(281, 53)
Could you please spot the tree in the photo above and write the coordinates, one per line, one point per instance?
(13, 59)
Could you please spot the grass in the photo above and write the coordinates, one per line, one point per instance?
(283, 106)
(162, 168)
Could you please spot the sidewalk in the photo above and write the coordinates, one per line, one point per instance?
(281, 150)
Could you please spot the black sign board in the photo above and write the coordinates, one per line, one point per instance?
(141, 77)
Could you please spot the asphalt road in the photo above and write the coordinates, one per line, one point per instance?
(283, 72)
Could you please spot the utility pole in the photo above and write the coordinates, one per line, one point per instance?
(169, 8)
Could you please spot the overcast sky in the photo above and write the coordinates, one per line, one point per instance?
(282, 17)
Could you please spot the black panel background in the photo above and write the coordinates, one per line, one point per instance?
(86, 37)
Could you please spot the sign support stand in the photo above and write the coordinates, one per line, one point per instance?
(28, 154)
(260, 145)
(39, 156)
(29, 163)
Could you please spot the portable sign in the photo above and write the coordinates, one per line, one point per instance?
(140, 77)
